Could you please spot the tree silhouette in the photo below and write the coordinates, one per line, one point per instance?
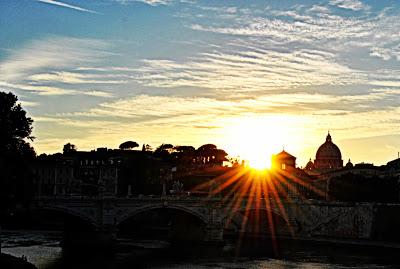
(147, 147)
(184, 148)
(164, 152)
(185, 154)
(69, 148)
(219, 156)
(128, 145)
(207, 148)
(15, 127)
(15, 152)
(210, 154)
(163, 149)
(205, 153)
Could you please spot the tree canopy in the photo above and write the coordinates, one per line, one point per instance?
(15, 127)
(207, 148)
(184, 148)
(163, 147)
(209, 153)
(128, 145)
(69, 148)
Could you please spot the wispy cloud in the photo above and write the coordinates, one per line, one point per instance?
(45, 54)
(53, 90)
(78, 78)
(249, 67)
(28, 103)
(386, 83)
(311, 27)
(40, 68)
(40, 90)
(156, 2)
(61, 4)
(349, 4)
(149, 2)
(99, 93)
(189, 110)
(300, 27)
(386, 53)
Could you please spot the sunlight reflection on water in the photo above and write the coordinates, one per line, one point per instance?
(42, 249)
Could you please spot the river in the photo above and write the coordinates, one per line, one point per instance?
(43, 250)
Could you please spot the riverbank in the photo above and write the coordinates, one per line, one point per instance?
(9, 261)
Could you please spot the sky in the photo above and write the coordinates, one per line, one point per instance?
(252, 77)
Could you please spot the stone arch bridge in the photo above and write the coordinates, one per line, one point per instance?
(303, 218)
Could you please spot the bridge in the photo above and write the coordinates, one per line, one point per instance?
(298, 219)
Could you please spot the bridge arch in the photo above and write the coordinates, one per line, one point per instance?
(69, 212)
(166, 222)
(142, 209)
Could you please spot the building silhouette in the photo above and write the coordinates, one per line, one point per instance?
(283, 160)
(102, 171)
(328, 155)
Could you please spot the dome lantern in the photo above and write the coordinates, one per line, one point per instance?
(328, 137)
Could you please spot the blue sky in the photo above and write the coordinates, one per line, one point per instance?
(241, 74)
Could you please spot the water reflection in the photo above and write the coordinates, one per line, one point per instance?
(42, 249)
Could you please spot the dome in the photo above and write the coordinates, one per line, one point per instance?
(328, 155)
(328, 150)
(349, 164)
(310, 165)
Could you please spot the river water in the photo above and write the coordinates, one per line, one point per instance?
(43, 250)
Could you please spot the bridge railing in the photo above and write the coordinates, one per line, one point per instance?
(245, 199)
(132, 198)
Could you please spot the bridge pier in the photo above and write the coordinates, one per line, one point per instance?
(214, 228)
(214, 234)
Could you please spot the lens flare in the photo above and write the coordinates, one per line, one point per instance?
(255, 139)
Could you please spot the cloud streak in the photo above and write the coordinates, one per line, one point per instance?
(349, 4)
(41, 69)
(45, 54)
(249, 68)
(148, 2)
(61, 4)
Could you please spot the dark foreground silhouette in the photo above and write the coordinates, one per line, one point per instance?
(8, 261)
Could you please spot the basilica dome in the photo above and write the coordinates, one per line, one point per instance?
(328, 149)
(328, 155)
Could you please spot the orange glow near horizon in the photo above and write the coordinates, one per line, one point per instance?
(255, 139)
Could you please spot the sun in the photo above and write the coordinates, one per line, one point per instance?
(255, 139)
